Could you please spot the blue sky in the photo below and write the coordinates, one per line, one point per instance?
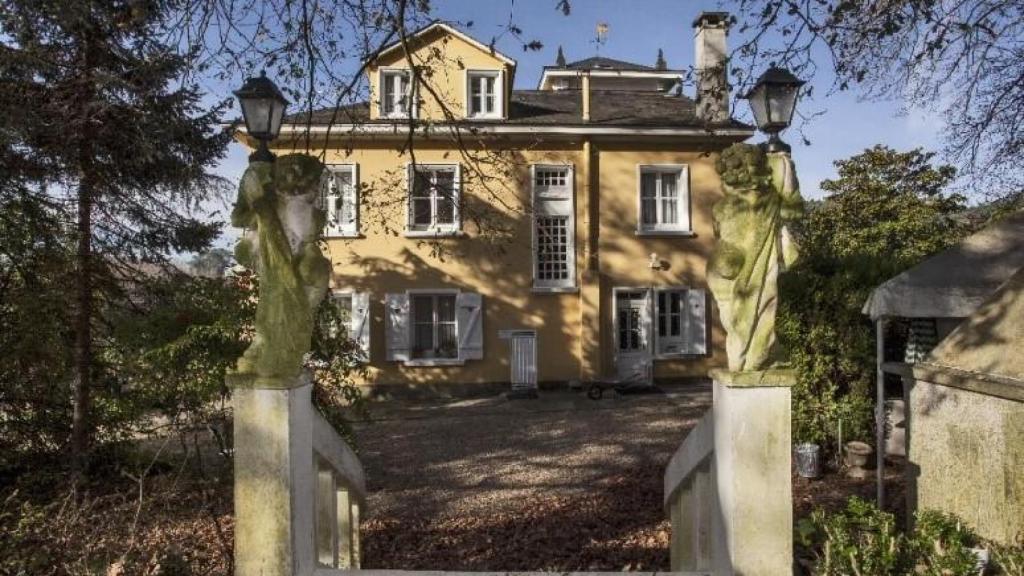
(637, 29)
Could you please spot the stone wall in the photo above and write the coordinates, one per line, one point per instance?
(966, 456)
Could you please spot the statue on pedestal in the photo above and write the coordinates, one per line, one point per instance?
(277, 208)
(753, 246)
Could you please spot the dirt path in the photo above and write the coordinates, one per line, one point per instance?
(559, 483)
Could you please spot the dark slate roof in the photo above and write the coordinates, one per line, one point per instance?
(563, 107)
(602, 63)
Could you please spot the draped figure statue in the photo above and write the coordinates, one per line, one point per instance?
(761, 195)
(277, 208)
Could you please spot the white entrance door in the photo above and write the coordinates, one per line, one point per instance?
(633, 335)
(524, 361)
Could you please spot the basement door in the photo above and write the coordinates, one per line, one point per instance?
(633, 335)
(524, 361)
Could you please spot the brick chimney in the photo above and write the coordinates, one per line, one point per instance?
(711, 29)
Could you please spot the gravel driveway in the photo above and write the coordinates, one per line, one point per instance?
(558, 483)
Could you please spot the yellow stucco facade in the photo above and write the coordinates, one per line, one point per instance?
(493, 249)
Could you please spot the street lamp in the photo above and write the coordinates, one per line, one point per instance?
(773, 100)
(263, 108)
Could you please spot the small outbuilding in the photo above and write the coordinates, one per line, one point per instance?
(963, 377)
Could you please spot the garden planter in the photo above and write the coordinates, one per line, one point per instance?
(858, 455)
(808, 460)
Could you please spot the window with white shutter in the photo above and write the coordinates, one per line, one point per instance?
(434, 327)
(396, 326)
(554, 228)
(354, 317)
(680, 322)
(664, 199)
(340, 199)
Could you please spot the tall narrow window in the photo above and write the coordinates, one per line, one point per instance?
(341, 200)
(434, 199)
(396, 92)
(484, 97)
(554, 258)
(434, 326)
(664, 199)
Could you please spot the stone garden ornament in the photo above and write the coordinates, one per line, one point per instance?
(277, 208)
(761, 195)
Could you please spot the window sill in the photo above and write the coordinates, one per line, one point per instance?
(434, 233)
(488, 117)
(434, 362)
(678, 356)
(670, 233)
(554, 289)
(343, 235)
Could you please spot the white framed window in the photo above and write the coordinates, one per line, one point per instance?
(484, 91)
(434, 327)
(340, 199)
(554, 228)
(434, 333)
(434, 191)
(680, 326)
(664, 199)
(396, 94)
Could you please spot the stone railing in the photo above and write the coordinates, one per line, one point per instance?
(299, 488)
(340, 496)
(728, 488)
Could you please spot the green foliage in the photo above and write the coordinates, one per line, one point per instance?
(860, 539)
(885, 212)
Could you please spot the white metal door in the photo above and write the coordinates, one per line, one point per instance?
(632, 335)
(524, 361)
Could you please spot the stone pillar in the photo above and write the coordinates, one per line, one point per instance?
(274, 481)
(347, 532)
(752, 463)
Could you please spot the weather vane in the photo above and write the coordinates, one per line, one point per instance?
(602, 36)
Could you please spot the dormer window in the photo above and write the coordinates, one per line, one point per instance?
(395, 93)
(484, 97)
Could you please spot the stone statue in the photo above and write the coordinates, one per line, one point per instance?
(277, 208)
(753, 246)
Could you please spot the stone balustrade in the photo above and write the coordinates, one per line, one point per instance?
(728, 488)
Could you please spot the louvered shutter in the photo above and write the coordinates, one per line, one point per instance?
(361, 321)
(396, 322)
(696, 322)
(469, 317)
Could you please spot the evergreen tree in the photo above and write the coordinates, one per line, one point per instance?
(660, 63)
(100, 124)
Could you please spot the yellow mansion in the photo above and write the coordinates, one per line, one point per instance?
(481, 233)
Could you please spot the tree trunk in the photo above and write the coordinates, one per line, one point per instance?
(80, 425)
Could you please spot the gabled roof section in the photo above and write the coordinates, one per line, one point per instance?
(990, 341)
(953, 283)
(442, 26)
(602, 63)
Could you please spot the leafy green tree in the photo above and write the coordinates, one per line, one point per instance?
(885, 212)
(99, 123)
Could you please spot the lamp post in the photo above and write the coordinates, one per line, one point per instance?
(263, 107)
(773, 100)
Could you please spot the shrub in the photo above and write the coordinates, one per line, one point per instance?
(862, 540)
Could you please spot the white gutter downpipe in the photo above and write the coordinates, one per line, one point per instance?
(585, 93)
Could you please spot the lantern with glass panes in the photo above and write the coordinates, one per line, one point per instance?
(263, 107)
(773, 100)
